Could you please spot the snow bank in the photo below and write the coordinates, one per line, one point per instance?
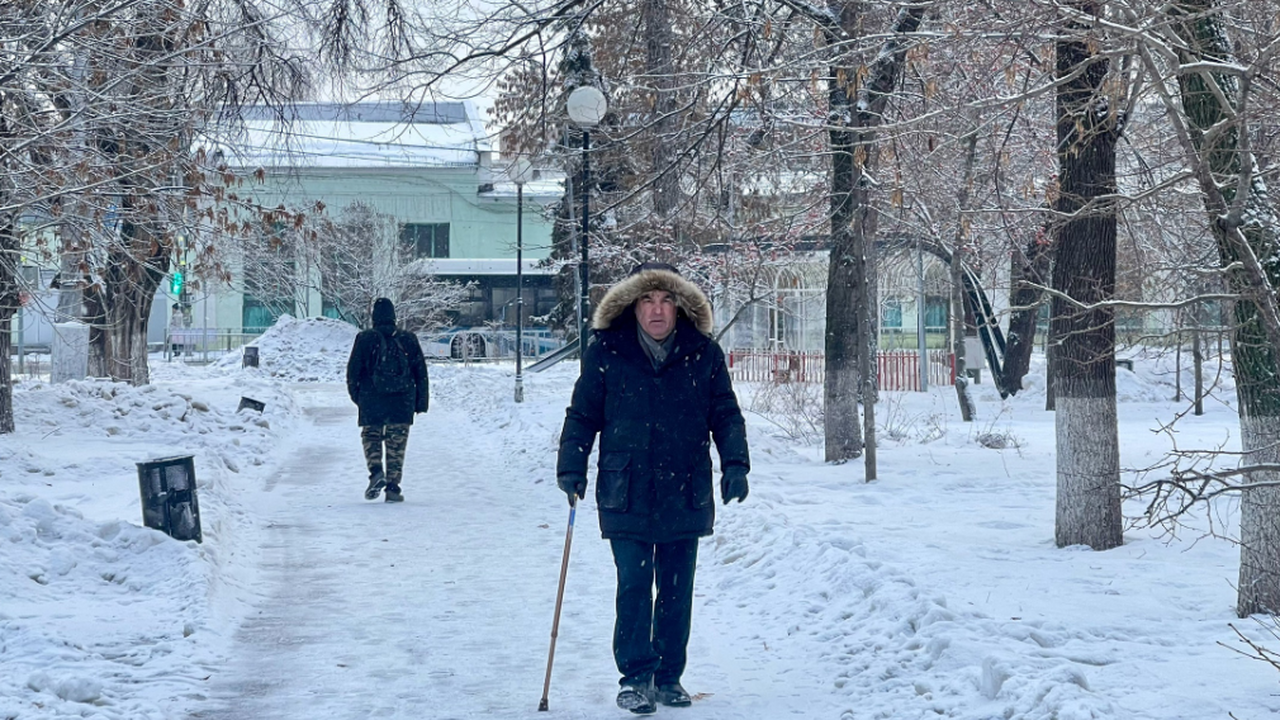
(89, 606)
(891, 646)
(1156, 376)
(934, 592)
(91, 602)
(307, 350)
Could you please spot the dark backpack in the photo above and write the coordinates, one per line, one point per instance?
(391, 372)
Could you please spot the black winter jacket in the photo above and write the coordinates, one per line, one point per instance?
(386, 408)
(654, 480)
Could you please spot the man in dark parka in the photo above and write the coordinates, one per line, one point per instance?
(655, 387)
(385, 416)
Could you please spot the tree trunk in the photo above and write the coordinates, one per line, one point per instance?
(8, 307)
(71, 270)
(656, 17)
(1028, 271)
(868, 388)
(148, 153)
(1246, 229)
(99, 341)
(1177, 358)
(1197, 360)
(76, 212)
(1259, 588)
(1088, 499)
(6, 366)
(855, 113)
(1051, 342)
(846, 275)
(135, 268)
(958, 338)
(956, 266)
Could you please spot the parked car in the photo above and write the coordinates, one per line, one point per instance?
(460, 344)
(483, 343)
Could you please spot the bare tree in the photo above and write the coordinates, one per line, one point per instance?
(358, 262)
(857, 101)
(1088, 500)
(957, 284)
(1214, 94)
(117, 91)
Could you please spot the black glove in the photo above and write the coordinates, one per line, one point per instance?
(733, 484)
(572, 484)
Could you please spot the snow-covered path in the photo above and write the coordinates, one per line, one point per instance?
(441, 607)
(375, 610)
(818, 598)
(934, 592)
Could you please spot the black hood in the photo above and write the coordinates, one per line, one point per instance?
(384, 313)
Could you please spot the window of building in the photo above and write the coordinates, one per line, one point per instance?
(270, 276)
(257, 316)
(935, 313)
(425, 240)
(891, 313)
(331, 308)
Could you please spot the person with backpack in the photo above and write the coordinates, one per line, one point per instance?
(387, 380)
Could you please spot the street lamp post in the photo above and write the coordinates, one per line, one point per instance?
(586, 106)
(521, 171)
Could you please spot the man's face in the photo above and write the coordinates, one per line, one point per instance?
(656, 313)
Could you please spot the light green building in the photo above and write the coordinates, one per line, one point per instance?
(429, 166)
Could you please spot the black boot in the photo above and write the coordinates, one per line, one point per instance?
(673, 695)
(637, 697)
(377, 481)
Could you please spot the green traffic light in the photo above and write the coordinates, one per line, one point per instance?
(175, 285)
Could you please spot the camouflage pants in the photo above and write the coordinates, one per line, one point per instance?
(395, 438)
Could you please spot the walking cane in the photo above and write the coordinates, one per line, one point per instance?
(555, 624)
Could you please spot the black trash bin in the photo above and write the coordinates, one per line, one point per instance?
(251, 404)
(169, 502)
(250, 356)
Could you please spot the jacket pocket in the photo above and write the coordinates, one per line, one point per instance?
(703, 495)
(613, 481)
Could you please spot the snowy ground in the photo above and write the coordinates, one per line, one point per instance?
(935, 591)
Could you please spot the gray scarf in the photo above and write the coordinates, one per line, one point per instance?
(657, 351)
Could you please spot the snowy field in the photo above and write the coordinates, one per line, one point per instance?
(934, 592)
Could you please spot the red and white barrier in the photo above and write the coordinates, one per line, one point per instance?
(896, 369)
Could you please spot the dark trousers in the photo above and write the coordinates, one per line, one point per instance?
(649, 638)
(395, 440)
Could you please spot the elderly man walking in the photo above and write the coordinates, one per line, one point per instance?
(656, 389)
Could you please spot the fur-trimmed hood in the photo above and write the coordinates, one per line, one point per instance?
(689, 299)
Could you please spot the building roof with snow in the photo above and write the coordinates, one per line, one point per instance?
(382, 134)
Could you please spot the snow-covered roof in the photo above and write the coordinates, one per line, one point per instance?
(485, 266)
(533, 190)
(358, 135)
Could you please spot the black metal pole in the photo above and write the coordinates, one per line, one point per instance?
(584, 301)
(519, 289)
